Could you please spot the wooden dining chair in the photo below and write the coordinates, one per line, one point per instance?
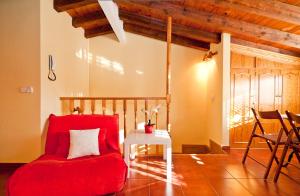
(272, 140)
(293, 141)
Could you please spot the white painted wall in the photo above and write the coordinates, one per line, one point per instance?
(138, 68)
(219, 93)
(69, 49)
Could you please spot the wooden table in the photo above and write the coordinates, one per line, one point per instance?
(160, 137)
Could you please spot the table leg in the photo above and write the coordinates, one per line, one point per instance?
(126, 157)
(169, 162)
(164, 152)
(132, 151)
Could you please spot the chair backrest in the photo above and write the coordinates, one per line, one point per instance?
(60, 126)
(274, 115)
(269, 115)
(257, 122)
(293, 119)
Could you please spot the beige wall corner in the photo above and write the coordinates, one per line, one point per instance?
(226, 52)
(218, 91)
(214, 96)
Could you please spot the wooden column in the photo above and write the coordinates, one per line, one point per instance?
(168, 79)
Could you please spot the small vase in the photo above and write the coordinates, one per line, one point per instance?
(149, 128)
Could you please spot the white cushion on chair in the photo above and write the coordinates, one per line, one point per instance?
(83, 143)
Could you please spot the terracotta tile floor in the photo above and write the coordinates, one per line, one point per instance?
(209, 174)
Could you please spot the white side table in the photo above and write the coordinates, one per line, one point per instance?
(161, 137)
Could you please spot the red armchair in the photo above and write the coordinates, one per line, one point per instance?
(53, 174)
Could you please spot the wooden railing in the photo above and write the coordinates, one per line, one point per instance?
(80, 104)
(121, 106)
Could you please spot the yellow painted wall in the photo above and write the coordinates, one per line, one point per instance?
(138, 68)
(214, 96)
(20, 66)
(69, 49)
(188, 97)
(35, 30)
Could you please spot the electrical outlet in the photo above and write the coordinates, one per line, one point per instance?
(26, 89)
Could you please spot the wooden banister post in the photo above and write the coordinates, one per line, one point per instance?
(82, 106)
(103, 106)
(125, 110)
(168, 79)
(135, 114)
(156, 126)
(146, 118)
(71, 105)
(146, 108)
(114, 106)
(93, 106)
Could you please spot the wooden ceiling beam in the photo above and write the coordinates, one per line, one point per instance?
(156, 24)
(215, 23)
(97, 18)
(101, 30)
(271, 9)
(65, 5)
(291, 2)
(160, 35)
(263, 47)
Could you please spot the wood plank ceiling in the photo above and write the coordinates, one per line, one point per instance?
(272, 25)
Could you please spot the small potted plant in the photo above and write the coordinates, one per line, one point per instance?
(149, 127)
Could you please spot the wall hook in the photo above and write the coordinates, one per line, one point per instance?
(51, 74)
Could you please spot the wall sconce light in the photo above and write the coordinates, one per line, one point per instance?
(209, 55)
